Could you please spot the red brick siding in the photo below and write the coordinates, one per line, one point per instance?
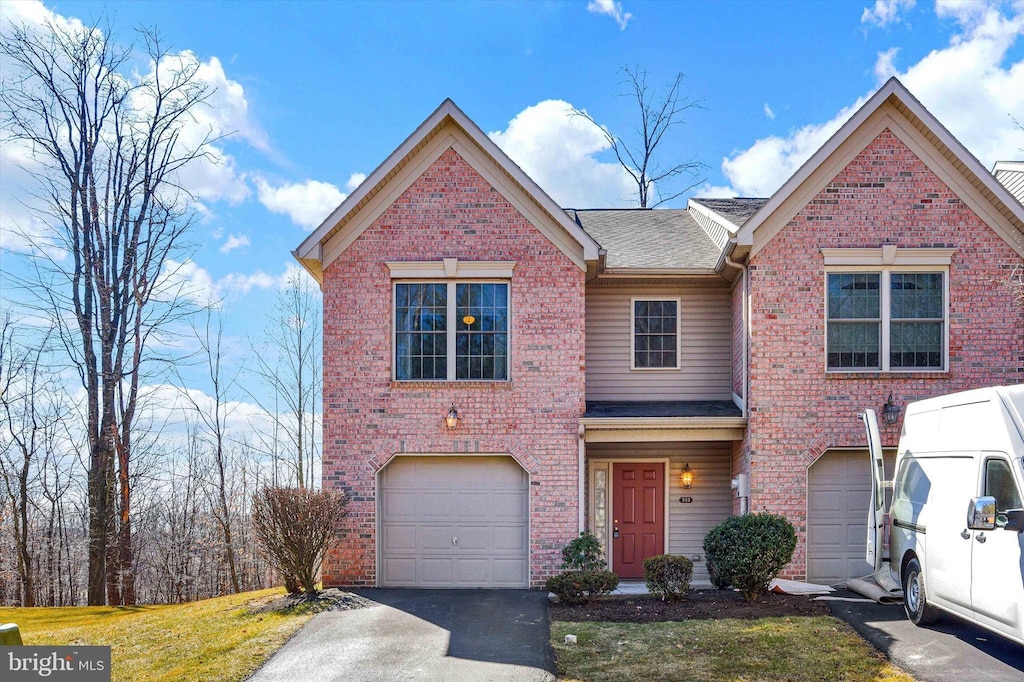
(452, 212)
(884, 196)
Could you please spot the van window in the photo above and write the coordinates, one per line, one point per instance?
(1000, 485)
(912, 483)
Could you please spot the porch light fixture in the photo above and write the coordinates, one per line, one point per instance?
(890, 411)
(451, 420)
(686, 478)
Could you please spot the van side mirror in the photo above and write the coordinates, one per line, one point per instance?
(1011, 520)
(981, 513)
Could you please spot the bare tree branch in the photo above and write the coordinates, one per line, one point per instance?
(655, 183)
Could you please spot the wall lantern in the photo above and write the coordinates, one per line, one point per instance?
(451, 420)
(686, 478)
(890, 411)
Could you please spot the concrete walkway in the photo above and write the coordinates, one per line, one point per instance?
(451, 635)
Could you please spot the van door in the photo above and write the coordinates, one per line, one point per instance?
(876, 509)
(997, 588)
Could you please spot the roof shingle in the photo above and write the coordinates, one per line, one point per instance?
(649, 238)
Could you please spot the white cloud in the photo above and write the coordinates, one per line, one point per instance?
(307, 203)
(235, 241)
(967, 85)
(612, 9)
(557, 150)
(768, 112)
(885, 12)
(354, 181)
(187, 279)
(885, 65)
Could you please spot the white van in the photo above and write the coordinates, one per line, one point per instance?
(957, 511)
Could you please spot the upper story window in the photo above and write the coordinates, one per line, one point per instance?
(887, 309)
(886, 321)
(448, 330)
(655, 333)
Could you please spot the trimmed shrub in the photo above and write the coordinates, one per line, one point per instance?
(748, 551)
(583, 554)
(294, 528)
(586, 577)
(668, 576)
(581, 587)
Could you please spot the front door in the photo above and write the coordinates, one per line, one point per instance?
(638, 515)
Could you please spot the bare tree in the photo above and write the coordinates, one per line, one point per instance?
(288, 363)
(658, 115)
(213, 418)
(106, 146)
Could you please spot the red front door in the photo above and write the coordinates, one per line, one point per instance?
(638, 515)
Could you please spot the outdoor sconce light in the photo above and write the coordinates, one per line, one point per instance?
(890, 411)
(686, 478)
(451, 420)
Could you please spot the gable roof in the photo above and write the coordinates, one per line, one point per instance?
(1010, 175)
(341, 227)
(1007, 218)
(643, 239)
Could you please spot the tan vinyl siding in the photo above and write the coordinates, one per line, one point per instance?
(705, 372)
(712, 495)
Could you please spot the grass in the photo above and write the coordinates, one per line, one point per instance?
(768, 649)
(213, 639)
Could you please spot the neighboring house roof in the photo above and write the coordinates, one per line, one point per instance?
(892, 107)
(665, 240)
(1010, 175)
(736, 211)
(448, 127)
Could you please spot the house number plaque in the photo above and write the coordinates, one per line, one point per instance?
(686, 500)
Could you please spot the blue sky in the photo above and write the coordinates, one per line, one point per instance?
(317, 94)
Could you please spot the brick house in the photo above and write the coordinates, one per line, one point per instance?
(616, 370)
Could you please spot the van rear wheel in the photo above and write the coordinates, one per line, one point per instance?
(915, 597)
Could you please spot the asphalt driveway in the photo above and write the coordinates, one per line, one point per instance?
(450, 635)
(949, 651)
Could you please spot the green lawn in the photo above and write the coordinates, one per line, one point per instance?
(768, 649)
(213, 639)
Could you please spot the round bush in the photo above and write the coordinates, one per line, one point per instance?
(748, 551)
(581, 587)
(668, 576)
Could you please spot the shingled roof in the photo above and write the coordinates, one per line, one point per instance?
(649, 238)
(736, 211)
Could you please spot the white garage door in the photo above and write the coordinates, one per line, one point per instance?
(454, 522)
(838, 495)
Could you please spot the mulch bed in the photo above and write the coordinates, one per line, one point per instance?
(331, 599)
(698, 605)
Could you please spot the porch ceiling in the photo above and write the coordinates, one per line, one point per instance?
(648, 421)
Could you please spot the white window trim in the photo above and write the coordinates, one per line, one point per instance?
(450, 331)
(632, 333)
(451, 268)
(885, 284)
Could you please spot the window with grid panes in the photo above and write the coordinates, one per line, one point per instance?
(656, 334)
(886, 320)
(451, 331)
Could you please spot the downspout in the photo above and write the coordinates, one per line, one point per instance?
(745, 318)
(742, 482)
(581, 467)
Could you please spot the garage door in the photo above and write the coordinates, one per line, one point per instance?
(838, 495)
(454, 522)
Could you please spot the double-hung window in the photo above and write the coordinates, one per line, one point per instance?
(451, 331)
(655, 333)
(886, 319)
